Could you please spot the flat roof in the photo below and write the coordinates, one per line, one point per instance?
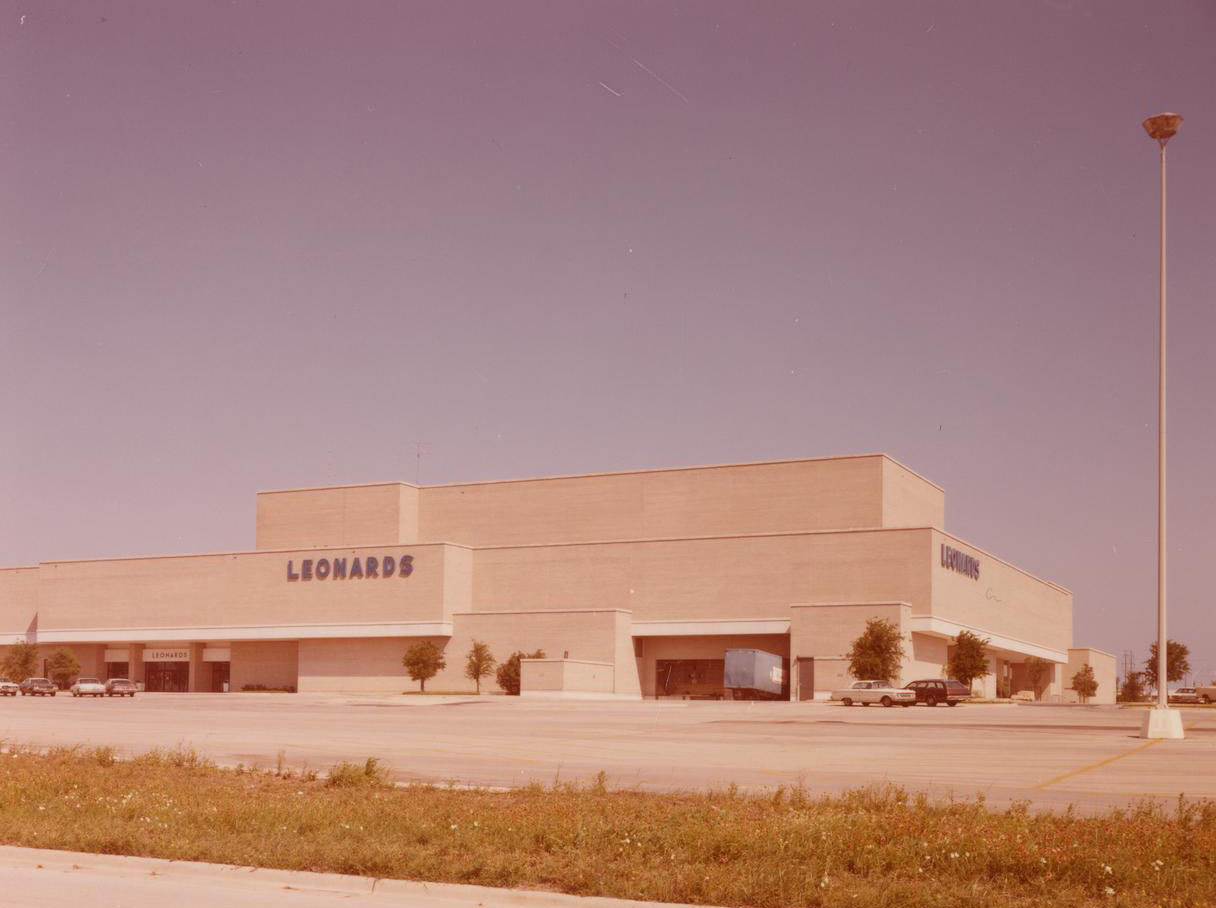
(712, 466)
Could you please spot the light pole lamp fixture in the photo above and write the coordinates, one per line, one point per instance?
(1162, 127)
(1160, 721)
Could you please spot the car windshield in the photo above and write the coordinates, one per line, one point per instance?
(119, 682)
(88, 681)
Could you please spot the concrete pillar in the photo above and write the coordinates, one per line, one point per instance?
(198, 674)
(135, 662)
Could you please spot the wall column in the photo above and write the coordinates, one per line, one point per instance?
(135, 662)
(197, 681)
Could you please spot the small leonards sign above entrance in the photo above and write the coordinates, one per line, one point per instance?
(351, 568)
(955, 560)
(167, 655)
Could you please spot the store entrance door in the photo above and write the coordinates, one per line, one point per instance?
(221, 672)
(806, 678)
(167, 677)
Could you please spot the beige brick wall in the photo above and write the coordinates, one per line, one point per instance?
(565, 676)
(382, 514)
(747, 577)
(1004, 600)
(1105, 673)
(244, 589)
(372, 666)
(826, 631)
(909, 500)
(738, 499)
(272, 663)
(594, 635)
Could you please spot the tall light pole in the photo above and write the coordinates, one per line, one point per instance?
(1161, 721)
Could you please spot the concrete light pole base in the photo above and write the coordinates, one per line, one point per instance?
(1162, 723)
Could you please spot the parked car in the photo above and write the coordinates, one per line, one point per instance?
(1184, 695)
(88, 687)
(120, 687)
(1206, 694)
(867, 692)
(8, 689)
(932, 691)
(38, 687)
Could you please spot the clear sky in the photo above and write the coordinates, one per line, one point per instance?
(259, 245)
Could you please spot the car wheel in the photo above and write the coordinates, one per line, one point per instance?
(886, 701)
(1205, 699)
(952, 702)
(846, 701)
(930, 700)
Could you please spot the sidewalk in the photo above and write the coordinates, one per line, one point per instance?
(34, 878)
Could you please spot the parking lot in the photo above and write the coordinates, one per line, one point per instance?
(1052, 756)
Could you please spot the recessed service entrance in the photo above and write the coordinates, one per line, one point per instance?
(167, 669)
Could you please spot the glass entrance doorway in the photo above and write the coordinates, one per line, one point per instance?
(220, 674)
(168, 677)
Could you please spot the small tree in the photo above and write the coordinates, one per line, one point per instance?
(1036, 669)
(479, 663)
(507, 675)
(21, 661)
(423, 661)
(969, 659)
(63, 667)
(1133, 688)
(1177, 663)
(878, 652)
(1084, 683)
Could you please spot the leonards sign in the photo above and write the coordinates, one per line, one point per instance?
(955, 560)
(351, 568)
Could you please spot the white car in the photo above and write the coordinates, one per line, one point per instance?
(867, 692)
(88, 687)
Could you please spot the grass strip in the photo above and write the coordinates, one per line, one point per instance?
(877, 847)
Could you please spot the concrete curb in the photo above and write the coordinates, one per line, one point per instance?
(387, 892)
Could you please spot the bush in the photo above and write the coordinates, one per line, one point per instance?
(352, 775)
(20, 662)
(508, 673)
(63, 667)
(262, 688)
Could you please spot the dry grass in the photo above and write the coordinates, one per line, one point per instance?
(866, 848)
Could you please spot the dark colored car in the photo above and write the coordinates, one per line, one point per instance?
(120, 687)
(37, 687)
(933, 691)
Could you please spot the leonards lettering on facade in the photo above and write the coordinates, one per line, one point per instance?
(960, 561)
(352, 569)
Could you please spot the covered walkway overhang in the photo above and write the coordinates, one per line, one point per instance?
(1005, 647)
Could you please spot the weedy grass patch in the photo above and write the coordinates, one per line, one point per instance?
(868, 848)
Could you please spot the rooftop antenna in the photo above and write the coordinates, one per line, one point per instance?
(420, 448)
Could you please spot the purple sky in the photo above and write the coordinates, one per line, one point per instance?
(269, 244)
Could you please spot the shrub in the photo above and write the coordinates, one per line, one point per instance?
(63, 667)
(352, 775)
(20, 662)
(507, 675)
